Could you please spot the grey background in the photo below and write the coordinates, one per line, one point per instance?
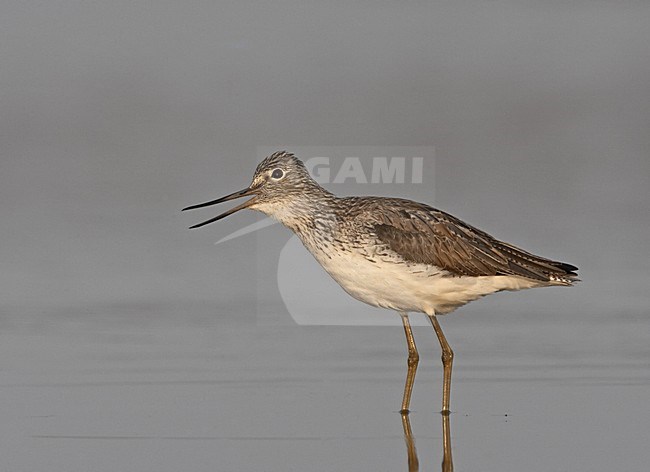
(130, 343)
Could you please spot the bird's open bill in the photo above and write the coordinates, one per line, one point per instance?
(242, 193)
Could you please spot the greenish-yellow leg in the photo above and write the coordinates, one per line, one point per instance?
(413, 360)
(447, 360)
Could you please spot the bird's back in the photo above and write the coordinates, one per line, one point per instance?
(408, 256)
(419, 233)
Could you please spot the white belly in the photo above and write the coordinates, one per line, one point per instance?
(410, 287)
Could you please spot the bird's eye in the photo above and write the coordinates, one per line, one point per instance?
(277, 174)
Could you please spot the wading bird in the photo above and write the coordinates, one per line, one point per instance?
(394, 253)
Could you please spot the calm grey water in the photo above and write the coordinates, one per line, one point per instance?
(197, 390)
(128, 343)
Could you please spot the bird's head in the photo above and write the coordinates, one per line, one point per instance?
(279, 181)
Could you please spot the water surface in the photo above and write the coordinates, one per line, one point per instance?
(205, 391)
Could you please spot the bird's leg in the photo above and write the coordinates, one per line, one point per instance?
(447, 461)
(447, 360)
(413, 360)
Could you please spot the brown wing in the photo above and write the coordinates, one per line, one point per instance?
(422, 234)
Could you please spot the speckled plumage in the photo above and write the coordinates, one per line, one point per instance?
(394, 253)
(374, 246)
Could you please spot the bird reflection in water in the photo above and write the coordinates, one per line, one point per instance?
(411, 452)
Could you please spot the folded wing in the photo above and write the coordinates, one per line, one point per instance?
(422, 234)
